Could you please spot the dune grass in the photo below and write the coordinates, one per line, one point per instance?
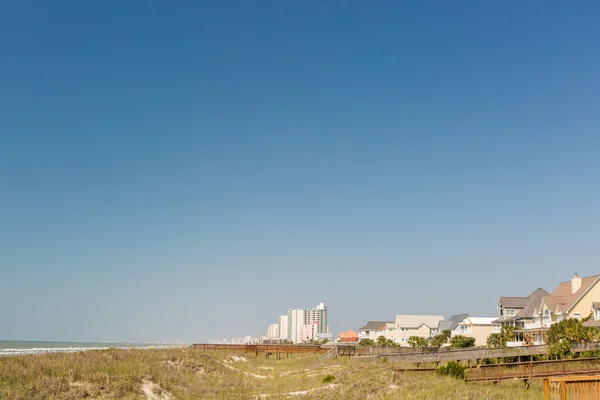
(192, 374)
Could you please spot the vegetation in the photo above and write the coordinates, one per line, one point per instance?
(440, 339)
(453, 369)
(382, 341)
(461, 342)
(500, 339)
(417, 341)
(193, 374)
(563, 333)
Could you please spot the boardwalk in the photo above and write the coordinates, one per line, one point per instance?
(535, 369)
(476, 354)
(267, 349)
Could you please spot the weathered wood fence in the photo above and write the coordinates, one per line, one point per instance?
(534, 369)
(267, 349)
(572, 388)
(474, 354)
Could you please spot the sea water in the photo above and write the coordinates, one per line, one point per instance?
(8, 348)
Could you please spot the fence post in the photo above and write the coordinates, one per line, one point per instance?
(563, 390)
(546, 389)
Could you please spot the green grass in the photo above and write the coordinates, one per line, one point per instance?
(193, 374)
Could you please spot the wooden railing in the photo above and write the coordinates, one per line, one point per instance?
(572, 388)
(444, 355)
(262, 348)
(462, 354)
(535, 369)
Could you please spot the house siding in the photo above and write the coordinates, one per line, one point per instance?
(584, 305)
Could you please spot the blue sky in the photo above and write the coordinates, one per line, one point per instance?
(191, 171)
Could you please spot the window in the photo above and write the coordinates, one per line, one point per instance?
(501, 310)
(403, 329)
(464, 329)
(510, 312)
(366, 332)
(546, 317)
(596, 314)
(577, 315)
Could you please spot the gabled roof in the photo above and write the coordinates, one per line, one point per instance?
(415, 321)
(513, 302)
(552, 302)
(533, 301)
(563, 290)
(375, 326)
(481, 320)
(452, 322)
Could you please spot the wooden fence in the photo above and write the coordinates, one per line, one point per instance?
(459, 355)
(476, 354)
(535, 369)
(572, 388)
(267, 349)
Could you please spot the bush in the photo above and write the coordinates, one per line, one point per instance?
(462, 342)
(329, 378)
(366, 342)
(453, 369)
(417, 341)
(559, 350)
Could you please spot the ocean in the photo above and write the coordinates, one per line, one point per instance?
(8, 348)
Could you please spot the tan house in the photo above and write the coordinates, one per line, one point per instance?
(479, 328)
(571, 299)
(406, 325)
(576, 298)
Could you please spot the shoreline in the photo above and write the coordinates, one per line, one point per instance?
(49, 350)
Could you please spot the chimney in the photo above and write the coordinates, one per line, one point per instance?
(575, 283)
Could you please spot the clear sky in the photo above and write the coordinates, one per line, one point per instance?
(191, 170)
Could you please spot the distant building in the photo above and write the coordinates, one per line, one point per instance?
(309, 332)
(295, 321)
(374, 329)
(463, 324)
(273, 331)
(282, 321)
(424, 326)
(312, 316)
(348, 337)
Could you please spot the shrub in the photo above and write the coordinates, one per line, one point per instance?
(453, 369)
(329, 378)
(417, 341)
(559, 350)
(461, 342)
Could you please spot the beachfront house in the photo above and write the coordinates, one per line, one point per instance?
(479, 328)
(374, 329)
(518, 311)
(576, 298)
(406, 325)
(348, 336)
